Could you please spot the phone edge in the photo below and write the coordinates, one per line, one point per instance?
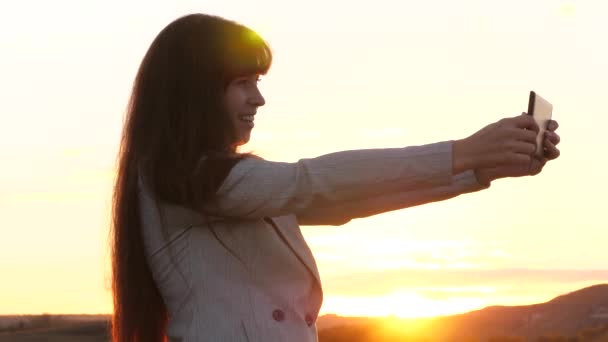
(531, 101)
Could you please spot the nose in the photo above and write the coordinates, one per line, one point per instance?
(256, 98)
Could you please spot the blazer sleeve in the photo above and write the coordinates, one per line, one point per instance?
(342, 213)
(370, 181)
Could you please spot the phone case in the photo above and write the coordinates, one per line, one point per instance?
(541, 110)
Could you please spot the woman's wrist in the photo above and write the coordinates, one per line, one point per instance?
(461, 161)
(483, 177)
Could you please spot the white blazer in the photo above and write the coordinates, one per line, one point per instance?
(243, 271)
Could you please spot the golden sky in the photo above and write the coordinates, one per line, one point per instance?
(346, 74)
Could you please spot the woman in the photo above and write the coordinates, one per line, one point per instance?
(206, 241)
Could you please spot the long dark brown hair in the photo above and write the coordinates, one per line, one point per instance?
(174, 118)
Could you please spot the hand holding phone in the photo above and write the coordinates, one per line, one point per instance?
(541, 110)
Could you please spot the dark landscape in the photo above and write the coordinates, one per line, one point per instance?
(580, 316)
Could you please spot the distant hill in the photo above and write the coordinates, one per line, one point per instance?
(565, 315)
(54, 328)
(583, 312)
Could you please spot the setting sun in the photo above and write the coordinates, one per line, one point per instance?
(401, 304)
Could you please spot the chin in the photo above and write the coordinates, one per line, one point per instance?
(242, 141)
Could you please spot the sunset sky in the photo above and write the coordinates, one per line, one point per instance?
(346, 74)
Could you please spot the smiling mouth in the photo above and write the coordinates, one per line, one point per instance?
(247, 118)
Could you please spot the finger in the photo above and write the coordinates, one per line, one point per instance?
(536, 166)
(523, 147)
(553, 137)
(550, 151)
(515, 158)
(525, 135)
(525, 121)
(511, 159)
(552, 125)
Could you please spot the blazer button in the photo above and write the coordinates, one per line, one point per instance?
(278, 315)
(309, 320)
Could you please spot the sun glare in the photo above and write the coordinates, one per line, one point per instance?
(401, 305)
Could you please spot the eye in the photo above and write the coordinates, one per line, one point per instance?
(246, 81)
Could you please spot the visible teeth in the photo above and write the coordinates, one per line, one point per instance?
(247, 118)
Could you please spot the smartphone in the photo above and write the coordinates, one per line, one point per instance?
(541, 110)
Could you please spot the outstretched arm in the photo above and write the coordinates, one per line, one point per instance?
(258, 188)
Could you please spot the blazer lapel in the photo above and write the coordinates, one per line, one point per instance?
(292, 236)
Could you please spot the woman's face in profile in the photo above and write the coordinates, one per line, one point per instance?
(242, 99)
